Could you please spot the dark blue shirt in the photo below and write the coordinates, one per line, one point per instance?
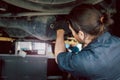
(100, 60)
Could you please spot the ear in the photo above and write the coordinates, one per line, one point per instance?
(81, 35)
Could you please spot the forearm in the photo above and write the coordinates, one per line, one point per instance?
(59, 45)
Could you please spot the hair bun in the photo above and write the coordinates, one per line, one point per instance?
(107, 19)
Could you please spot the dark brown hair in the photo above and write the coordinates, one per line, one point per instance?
(88, 19)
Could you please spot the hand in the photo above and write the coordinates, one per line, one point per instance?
(61, 24)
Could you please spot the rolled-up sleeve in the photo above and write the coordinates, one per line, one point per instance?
(64, 61)
(71, 62)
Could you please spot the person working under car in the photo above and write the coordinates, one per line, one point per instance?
(99, 58)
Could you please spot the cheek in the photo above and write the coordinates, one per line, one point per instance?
(78, 39)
